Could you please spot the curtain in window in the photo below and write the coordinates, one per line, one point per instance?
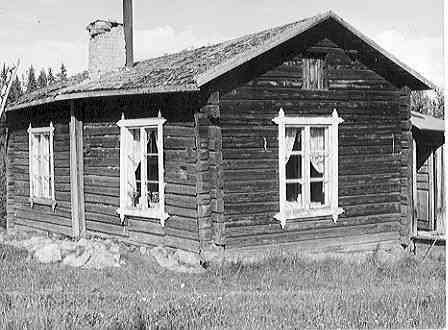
(133, 167)
(152, 164)
(289, 141)
(45, 164)
(35, 161)
(317, 147)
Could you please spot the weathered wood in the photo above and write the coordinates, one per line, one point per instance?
(77, 174)
(370, 141)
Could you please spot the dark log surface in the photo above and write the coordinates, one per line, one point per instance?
(101, 151)
(19, 210)
(370, 142)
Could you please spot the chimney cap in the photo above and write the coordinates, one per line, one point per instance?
(100, 26)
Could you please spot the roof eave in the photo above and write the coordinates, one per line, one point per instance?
(105, 93)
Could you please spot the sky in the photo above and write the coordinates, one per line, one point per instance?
(46, 33)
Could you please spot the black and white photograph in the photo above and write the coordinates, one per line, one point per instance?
(223, 164)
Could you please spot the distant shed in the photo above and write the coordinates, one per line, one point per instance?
(429, 177)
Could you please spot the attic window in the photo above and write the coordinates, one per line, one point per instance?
(314, 73)
(41, 165)
(141, 169)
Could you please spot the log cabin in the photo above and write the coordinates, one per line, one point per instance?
(296, 137)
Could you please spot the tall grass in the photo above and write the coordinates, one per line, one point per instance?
(281, 292)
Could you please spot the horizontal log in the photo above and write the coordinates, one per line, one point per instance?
(313, 234)
(105, 228)
(143, 225)
(38, 225)
(104, 218)
(237, 229)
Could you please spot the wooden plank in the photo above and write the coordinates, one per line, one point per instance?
(314, 234)
(54, 228)
(414, 188)
(76, 174)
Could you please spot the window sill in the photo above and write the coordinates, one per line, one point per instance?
(154, 213)
(310, 213)
(43, 201)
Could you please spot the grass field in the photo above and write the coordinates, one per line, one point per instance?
(282, 292)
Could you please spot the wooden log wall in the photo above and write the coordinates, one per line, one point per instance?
(19, 211)
(209, 173)
(101, 153)
(371, 140)
(102, 172)
(407, 205)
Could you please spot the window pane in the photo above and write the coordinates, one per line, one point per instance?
(317, 165)
(153, 194)
(294, 167)
(293, 139)
(152, 168)
(152, 140)
(35, 165)
(134, 168)
(45, 164)
(317, 150)
(317, 194)
(294, 192)
(317, 139)
(152, 173)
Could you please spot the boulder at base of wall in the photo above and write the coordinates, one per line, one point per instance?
(49, 253)
(77, 259)
(101, 258)
(177, 260)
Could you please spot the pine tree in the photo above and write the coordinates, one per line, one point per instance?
(31, 84)
(424, 103)
(42, 80)
(16, 90)
(50, 77)
(3, 75)
(62, 75)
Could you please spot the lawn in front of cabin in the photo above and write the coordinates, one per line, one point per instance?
(280, 292)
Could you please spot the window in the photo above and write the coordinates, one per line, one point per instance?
(141, 168)
(308, 166)
(41, 165)
(314, 73)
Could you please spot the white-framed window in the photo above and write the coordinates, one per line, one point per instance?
(308, 166)
(142, 187)
(41, 165)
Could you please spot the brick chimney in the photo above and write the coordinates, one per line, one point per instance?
(111, 43)
(107, 49)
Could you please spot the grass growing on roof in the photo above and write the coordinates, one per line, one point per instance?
(281, 292)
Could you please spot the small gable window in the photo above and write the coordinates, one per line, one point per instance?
(314, 73)
(141, 168)
(41, 165)
(308, 166)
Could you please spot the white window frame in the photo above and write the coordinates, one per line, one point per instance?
(51, 201)
(331, 123)
(142, 123)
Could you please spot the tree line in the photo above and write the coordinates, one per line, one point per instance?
(31, 81)
(420, 100)
(423, 103)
